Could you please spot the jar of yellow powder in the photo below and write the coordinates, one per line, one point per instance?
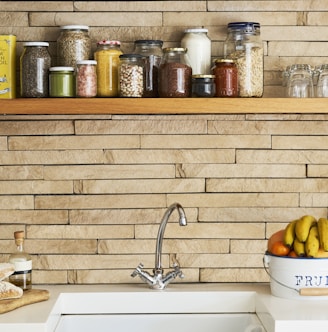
(107, 57)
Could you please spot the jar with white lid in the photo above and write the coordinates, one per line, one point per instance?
(73, 44)
(86, 78)
(198, 44)
(35, 62)
(61, 81)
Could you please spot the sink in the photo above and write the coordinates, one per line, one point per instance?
(178, 309)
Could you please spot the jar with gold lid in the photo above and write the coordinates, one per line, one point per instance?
(203, 86)
(226, 78)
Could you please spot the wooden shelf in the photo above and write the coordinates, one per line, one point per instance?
(162, 105)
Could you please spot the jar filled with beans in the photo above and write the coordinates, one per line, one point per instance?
(86, 78)
(175, 74)
(73, 44)
(131, 75)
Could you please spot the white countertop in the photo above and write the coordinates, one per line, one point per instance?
(276, 314)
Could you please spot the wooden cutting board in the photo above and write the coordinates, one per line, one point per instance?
(30, 296)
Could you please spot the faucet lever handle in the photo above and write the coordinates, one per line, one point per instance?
(137, 270)
(177, 271)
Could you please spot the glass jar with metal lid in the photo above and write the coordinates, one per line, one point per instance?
(131, 75)
(152, 53)
(244, 45)
(226, 78)
(61, 82)
(35, 62)
(86, 78)
(174, 76)
(73, 44)
(203, 86)
(107, 56)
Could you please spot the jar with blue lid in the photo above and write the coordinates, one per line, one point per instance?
(61, 82)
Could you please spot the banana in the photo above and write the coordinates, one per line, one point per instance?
(302, 227)
(289, 234)
(299, 247)
(312, 243)
(323, 233)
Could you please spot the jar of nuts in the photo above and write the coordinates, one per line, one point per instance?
(86, 78)
(73, 44)
(243, 45)
(131, 75)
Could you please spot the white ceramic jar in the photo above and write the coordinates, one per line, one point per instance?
(198, 46)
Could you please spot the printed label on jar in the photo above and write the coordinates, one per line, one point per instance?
(22, 266)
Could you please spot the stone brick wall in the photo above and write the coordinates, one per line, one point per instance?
(90, 190)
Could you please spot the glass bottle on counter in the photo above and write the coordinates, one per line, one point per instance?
(73, 44)
(244, 45)
(86, 78)
(152, 53)
(22, 277)
(35, 62)
(107, 56)
(175, 74)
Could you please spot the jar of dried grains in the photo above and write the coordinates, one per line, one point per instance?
(35, 62)
(244, 45)
(73, 44)
(175, 74)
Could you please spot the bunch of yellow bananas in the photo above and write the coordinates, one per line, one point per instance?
(307, 236)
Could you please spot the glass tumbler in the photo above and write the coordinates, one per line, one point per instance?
(322, 85)
(300, 81)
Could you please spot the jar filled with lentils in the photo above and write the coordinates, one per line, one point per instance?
(86, 78)
(107, 56)
(131, 75)
(35, 62)
(175, 74)
(73, 44)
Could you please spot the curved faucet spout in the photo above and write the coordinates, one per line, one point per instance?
(159, 242)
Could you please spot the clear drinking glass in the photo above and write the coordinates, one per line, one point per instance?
(300, 81)
(322, 85)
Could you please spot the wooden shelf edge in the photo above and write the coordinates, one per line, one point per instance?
(69, 106)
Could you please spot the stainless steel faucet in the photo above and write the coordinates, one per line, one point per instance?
(159, 280)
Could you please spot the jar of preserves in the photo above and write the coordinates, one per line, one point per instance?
(35, 62)
(131, 75)
(86, 78)
(73, 44)
(198, 44)
(203, 86)
(226, 78)
(152, 53)
(175, 73)
(107, 56)
(243, 44)
(61, 82)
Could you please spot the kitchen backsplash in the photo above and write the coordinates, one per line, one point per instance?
(91, 190)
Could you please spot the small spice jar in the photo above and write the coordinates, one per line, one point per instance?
(61, 82)
(107, 56)
(73, 44)
(131, 75)
(226, 78)
(86, 78)
(152, 53)
(174, 76)
(203, 86)
(35, 62)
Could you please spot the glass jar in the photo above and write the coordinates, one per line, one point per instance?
(73, 44)
(322, 81)
(86, 78)
(300, 81)
(203, 86)
(174, 76)
(244, 45)
(61, 82)
(107, 56)
(198, 44)
(152, 53)
(35, 62)
(131, 75)
(226, 78)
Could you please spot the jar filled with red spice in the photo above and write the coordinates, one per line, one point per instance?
(226, 78)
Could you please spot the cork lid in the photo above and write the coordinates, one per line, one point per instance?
(19, 235)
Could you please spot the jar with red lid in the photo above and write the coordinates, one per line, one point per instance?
(226, 78)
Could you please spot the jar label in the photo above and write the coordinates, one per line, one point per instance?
(22, 266)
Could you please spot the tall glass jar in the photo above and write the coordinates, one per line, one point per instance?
(152, 53)
(35, 62)
(86, 78)
(244, 45)
(175, 74)
(198, 44)
(107, 56)
(131, 75)
(73, 44)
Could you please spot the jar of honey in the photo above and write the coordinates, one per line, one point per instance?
(226, 78)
